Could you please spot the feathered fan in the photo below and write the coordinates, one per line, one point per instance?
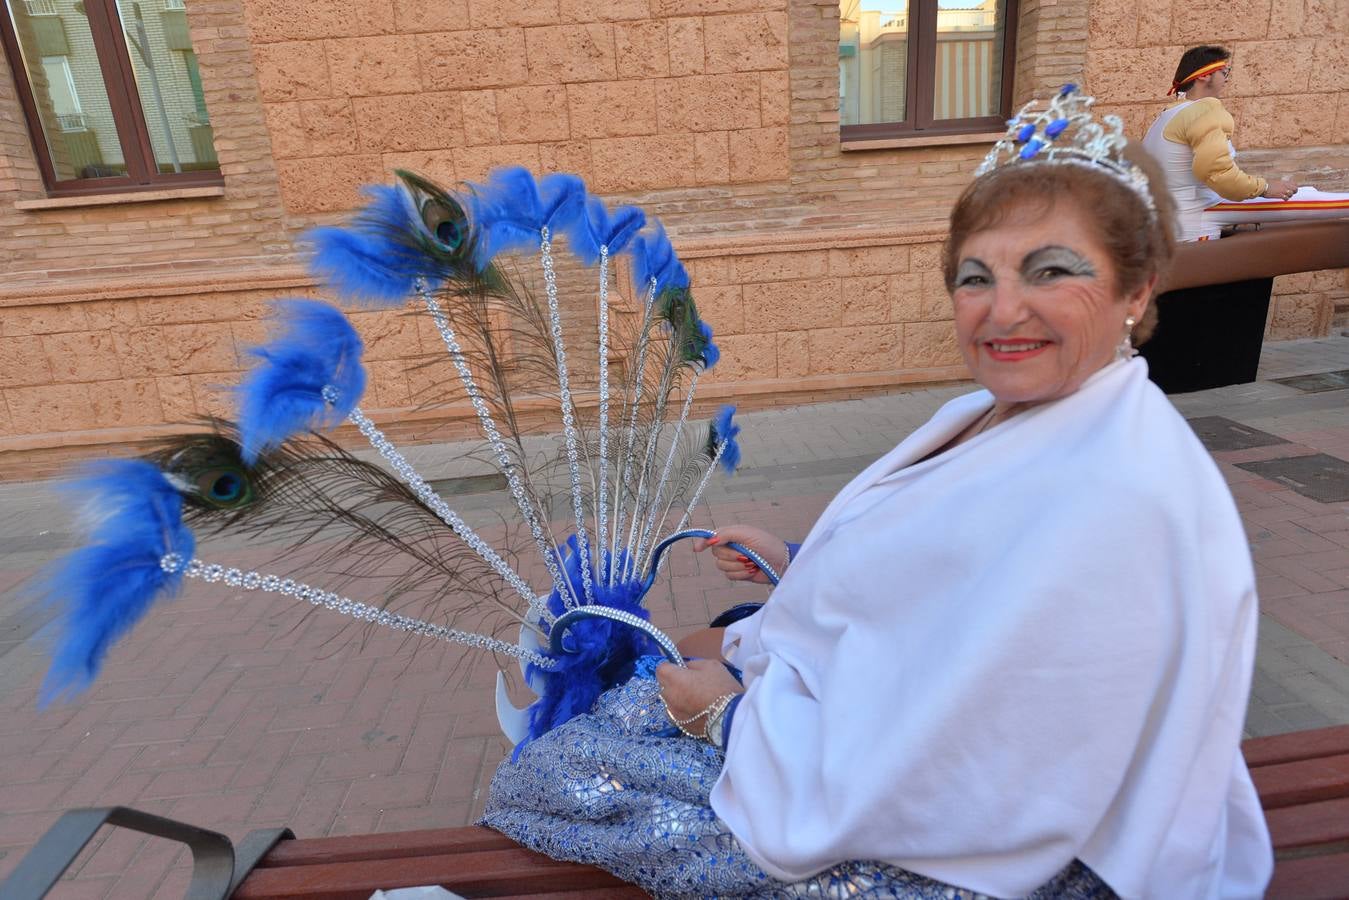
(469, 262)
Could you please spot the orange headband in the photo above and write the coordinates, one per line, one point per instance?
(1198, 73)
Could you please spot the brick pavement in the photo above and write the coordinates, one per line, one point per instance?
(234, 712)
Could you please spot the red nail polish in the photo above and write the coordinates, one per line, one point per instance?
(744, 559)
(712, 540)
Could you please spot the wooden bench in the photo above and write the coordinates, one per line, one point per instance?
(1303, 782)
(471, 861)
(1302, 779)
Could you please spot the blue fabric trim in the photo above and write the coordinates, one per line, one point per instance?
(792, 550)
(735, 614)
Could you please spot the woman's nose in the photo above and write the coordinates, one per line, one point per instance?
(1008, 306)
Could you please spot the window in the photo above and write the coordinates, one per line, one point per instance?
(111, 93)
(924, 67)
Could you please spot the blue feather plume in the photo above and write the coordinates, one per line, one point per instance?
(314, 347)
(604, 652)
(105, 587)
(653, 256)
(723, 429)
(598, 227)
(507, 214)
(371, 261)
(711, 353)
(562, 201)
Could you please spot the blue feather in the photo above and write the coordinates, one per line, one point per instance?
(604, 652)
(314, 347)
(562, 201)
(723, 429)
(653, 256)
(368, 262)
(624, 222)
(105, 587)
(507, 214)
(711, 353)
(598, 227)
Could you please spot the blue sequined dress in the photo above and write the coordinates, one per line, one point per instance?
(621, 789)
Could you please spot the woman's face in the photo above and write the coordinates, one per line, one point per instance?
(1037, 308)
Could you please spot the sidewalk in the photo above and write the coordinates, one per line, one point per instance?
(233, 711)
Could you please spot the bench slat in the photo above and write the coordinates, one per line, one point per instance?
(1285, 748)
(389, 845)
(1313, 878)
(490, 873)
(1309, 824)
(1304, 781)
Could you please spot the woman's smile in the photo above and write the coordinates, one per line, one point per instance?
(1013, 349)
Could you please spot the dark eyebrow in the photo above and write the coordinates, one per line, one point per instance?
(972, 260)
(1059, 255)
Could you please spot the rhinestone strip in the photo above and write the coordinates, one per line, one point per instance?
(364, 612)
(568, 417)
(649, 457)
(702, 485)
(538, 605)
(648, 530)
(601, 517)
(658, 553)
(565, 621)
(642, 343)
(424, 493)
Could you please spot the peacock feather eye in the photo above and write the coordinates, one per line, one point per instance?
(444, 219)
(223, 488)
(213, 473)
(446, 224)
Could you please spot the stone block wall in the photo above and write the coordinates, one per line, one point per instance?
(815, 262)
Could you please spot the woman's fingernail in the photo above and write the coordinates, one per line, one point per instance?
(743, 558)
(712, 540)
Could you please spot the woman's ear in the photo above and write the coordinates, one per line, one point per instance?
(1139, 299)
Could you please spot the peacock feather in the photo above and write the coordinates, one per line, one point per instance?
(521, 279)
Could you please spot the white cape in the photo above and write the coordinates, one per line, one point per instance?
(1034, 647)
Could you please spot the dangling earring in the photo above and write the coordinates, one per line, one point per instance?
(1125, 348)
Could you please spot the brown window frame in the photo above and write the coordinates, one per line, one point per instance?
(119, 80)
(921, 83)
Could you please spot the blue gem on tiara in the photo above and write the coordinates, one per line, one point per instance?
(1032, 147)
(1064, 132)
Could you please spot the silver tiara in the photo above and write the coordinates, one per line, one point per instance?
(1064, 132)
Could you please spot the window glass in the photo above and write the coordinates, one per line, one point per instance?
(169, 84)
(873, 52)
(67, 85)
(969, 58)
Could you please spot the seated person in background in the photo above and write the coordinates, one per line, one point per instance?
(1192, 142)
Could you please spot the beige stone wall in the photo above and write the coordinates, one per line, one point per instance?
(816, 264)
(1289, 97)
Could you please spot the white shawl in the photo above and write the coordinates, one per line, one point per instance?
(1033, 647)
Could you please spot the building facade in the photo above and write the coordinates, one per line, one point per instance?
(138, 259)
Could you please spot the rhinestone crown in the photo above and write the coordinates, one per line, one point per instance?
(1063, 131)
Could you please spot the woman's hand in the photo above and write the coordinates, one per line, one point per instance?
(687, 692)
(735, 565)
(1280, 189)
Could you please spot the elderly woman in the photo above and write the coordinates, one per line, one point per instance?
(1011, 658)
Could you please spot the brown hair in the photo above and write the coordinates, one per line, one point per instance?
(1194, 59)
(1139, 243)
